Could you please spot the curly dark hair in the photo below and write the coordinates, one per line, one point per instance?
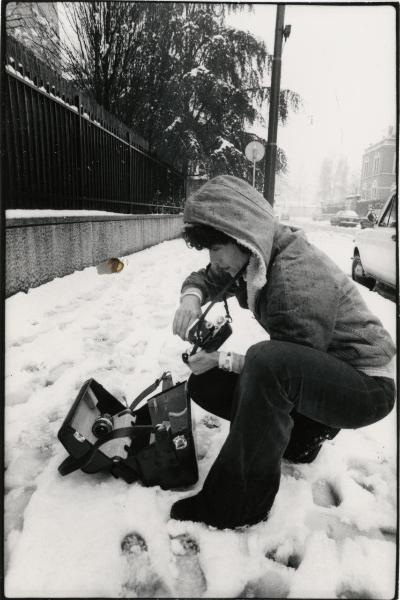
(203, 236)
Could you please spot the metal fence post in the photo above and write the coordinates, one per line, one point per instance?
(64, 151)
(79, 149)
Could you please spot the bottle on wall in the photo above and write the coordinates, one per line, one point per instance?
(112, 265)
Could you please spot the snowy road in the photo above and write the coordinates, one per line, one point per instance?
(332, 530)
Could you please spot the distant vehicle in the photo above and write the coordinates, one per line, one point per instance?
(345, 218)
(285, 216)
(374, 255)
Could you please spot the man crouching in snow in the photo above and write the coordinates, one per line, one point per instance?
(326, 366)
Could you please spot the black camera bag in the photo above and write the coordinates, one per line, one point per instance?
(167, 458)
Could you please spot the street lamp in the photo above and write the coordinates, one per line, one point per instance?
(271, 150)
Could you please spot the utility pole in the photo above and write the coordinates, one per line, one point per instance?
(271, 150)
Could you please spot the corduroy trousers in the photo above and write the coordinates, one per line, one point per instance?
(287, 400)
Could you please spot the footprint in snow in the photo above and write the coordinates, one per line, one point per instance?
(289, 469)
(389, 534)
(21, 341)
(366, 480)
(365, 468)
(293, 560)
(190, 580)
(141, 579)
(362, 481)
(59, 370)
(324, 494)
(335, 528)
(33, 368)
(211, 421)
(345, 591)
(270, 585)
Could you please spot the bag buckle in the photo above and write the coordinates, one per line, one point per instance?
(180, 442)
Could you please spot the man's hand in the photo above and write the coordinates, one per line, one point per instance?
(203, 361)
(188, 311)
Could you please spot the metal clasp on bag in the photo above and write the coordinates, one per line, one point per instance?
(180, 442)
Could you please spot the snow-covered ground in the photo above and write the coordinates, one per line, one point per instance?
(331, 533)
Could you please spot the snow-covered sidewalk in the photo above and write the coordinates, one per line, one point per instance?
(332, 530)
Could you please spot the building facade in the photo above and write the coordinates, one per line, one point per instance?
(378, 171)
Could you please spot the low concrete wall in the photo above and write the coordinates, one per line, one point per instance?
(38, 250)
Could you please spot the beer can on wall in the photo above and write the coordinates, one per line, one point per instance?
(112, 265)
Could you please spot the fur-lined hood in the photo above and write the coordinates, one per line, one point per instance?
(234, 207)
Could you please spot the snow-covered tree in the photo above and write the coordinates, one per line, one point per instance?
(209, 88)
(177, 74)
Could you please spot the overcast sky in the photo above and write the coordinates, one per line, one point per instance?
(342, 61)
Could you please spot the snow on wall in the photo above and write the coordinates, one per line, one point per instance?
(36, 254)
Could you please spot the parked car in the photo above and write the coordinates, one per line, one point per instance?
(374, 255)
(345, 218)
(285, 216)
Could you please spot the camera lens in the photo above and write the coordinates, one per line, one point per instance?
(102, 425)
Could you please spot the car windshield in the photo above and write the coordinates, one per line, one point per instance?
(389, 218)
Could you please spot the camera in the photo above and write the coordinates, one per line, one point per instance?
(102, 425)
(209, 336)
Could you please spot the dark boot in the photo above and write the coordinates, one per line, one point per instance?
(307, 438)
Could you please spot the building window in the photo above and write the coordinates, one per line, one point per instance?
(377, 160)
(366, 167)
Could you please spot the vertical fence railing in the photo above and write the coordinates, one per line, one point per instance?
(64, 151)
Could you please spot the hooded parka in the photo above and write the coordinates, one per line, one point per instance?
(295, 291)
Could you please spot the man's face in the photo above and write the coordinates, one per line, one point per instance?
(227, 257)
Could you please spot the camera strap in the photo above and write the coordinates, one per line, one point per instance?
(221, 295)
(167, 382)
(73, 464)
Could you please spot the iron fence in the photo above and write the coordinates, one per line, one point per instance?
(64, 151)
